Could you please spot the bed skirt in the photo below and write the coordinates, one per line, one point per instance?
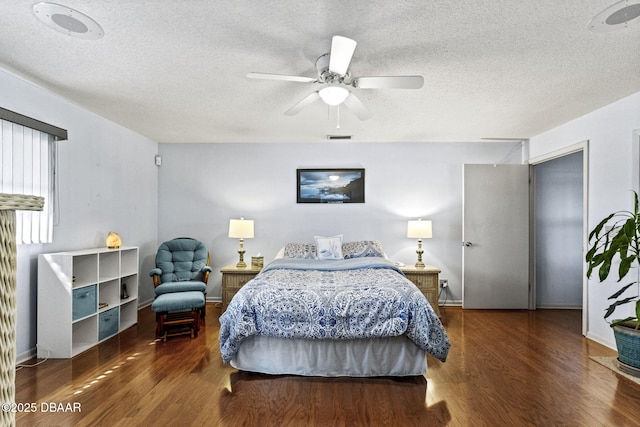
(391, 356)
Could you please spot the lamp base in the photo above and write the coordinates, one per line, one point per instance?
(420, 264)
(241, 263)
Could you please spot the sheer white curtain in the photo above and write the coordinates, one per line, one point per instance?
(27, 158)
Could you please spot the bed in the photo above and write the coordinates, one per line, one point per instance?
(347, 316)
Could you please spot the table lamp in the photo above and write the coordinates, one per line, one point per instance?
(241, 229)
(419, 229)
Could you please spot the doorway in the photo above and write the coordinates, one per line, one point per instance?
(559, 201)
(558, 237)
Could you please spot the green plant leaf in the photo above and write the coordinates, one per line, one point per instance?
(616, 304)
(591, 253)
(622, 290)
(609, 253)
(603, 272)
(596, 231)
(619, 322)
(609, 311)
(616, 241)
(595, 261)
(589, 270)
(625, 266)
(623, 247)
(630, 227)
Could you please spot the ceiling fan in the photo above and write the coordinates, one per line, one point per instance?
(336, 80)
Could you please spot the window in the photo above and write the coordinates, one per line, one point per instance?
(27, 158)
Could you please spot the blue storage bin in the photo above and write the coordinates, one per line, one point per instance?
(108, 323)
(85, 302)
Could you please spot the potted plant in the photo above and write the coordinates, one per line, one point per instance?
(616, 239)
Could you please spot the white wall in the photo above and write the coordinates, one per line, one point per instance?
(609, 131)
(202, 186)
(107, 182)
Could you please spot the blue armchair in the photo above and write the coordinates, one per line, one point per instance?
(181, 265)
(180, 280)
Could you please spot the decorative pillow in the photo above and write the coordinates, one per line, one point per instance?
(329, 247)
(300, 250)
(362, 248)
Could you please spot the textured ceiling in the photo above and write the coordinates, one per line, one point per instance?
(175, 71)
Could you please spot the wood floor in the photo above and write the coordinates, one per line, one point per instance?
(505, 368)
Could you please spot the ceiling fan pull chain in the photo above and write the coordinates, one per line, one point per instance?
(338, 126)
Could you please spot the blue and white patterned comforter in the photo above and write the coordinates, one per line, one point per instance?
(336, 299)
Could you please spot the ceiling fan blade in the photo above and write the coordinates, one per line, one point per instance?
(281, 77)
(342, 50)
(390, 82)
(307, 100)
(354, 104)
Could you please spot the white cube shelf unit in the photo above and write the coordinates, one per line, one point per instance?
(81, 300)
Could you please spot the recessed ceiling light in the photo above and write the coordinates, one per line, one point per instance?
(616, 17)
(68, 21)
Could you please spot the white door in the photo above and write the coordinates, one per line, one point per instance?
(495, 237)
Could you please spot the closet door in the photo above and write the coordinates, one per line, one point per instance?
(495, 237)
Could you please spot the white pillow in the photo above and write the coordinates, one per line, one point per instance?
(329, 247)
(280, 253)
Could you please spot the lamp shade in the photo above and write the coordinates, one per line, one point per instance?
(419, 229)
(241, 228)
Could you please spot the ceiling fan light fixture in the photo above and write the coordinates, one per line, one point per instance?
(333, 95)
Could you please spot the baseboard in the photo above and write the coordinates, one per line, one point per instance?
(600, 340)
(453, 303)
(144, 304)
(458, 303)
(27, 355)
(559, 307)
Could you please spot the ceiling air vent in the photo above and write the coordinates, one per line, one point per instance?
(338, 137)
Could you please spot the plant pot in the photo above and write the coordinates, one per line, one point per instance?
(628, 343)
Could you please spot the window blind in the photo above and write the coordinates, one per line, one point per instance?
(27, 157)
(19, 119)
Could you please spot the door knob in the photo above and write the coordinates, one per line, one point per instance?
(467, 244)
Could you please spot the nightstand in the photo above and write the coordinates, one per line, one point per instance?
(426, 279)
(233, 278)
